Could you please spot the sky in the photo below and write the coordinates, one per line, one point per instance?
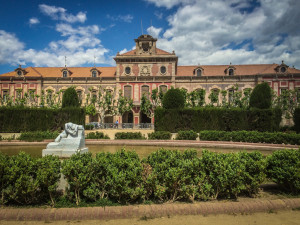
(86, 32)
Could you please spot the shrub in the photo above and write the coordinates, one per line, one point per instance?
(129, 135)
(251, 136)
(186, 135)
(160, 135)
(96, 135)
(174, 175)
(261, 96)
(216, 118)
(4, 177)
(225, 173)
(89, 127)
(284, 169)
(296, 118)
(17, 119)
(38, 135)
(78, 171)
(70, 98)
(173, 99)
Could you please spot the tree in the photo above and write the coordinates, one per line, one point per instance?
(146, 106)
(70, 98)
(261, 96)
(124, 104)
(173, 99)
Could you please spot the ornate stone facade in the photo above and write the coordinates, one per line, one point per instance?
(144, 69)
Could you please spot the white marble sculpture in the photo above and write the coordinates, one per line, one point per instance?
(70, 141)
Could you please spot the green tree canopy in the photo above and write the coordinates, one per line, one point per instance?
(173, 99)
(70, 98)
(261, 96)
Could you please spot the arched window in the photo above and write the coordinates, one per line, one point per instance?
(65, 73)
(127, 70)
(127, 91)
(230, 72)
(94, 73)
(163, 69)
(145, 91)
(163, 88)
(199, 72)
(230, 96)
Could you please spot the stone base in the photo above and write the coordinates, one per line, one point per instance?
(63, 153)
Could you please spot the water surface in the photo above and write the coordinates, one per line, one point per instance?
(142, 151)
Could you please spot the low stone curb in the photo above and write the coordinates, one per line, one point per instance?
(147, 211)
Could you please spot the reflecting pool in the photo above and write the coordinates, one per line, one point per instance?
(142, 151)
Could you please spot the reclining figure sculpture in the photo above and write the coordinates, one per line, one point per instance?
(70, 141)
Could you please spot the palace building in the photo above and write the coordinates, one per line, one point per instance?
(143, 69)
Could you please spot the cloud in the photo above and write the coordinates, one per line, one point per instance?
(59, 13)
(153, 31)
(33, 21)
(67, 29)
(124, 18)
(220, 32)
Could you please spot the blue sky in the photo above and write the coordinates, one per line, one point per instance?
(42, 33)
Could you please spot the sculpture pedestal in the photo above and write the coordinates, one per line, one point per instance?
(63, 153)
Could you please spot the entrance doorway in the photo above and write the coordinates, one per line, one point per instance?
(127, 117)
(144, 118)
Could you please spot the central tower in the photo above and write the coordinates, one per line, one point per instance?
(145, 45)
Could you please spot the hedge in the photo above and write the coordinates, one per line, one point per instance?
(296, 118)
(284, 169)
(251, 136)
(129, 135)
(20, 119)
(97, 135)
(186, 135)
(38, 135)
(165, 175)
(215, 118)
(160, 135)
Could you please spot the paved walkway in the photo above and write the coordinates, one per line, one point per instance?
(123, 212)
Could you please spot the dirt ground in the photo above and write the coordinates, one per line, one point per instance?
(270, 218)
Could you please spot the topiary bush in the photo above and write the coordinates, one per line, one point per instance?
(186, 135)
(296, 118)
(70, 98)
(283, 167)
(173, 99)
(160, 135)
(96, 135)
(261, 96)
(129, 135)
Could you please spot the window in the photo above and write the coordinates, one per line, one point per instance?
(230, 72)
(198, 72)
(145, 91)
(31, 95)
(65, 73)
(230, 96)
(163, 88)
(19, 73)
(127, 70)
(5, 95)
(282, 90)
(127, 92)
(163, 69)
(79, 94)
(283, 69)
(94, 73)
(94, 95)
(145, 46)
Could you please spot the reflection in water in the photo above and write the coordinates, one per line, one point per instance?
(142, 151)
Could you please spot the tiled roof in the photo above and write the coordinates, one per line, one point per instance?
(158, 52)
(219, 70)
(57, 71)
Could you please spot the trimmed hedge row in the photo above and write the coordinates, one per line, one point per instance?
(160, 135)
(96, 135)
(214, 118)
(129, 135)
(163, 176)
(38, 135)
(297, 120)
(20, 119)
(251, 136)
